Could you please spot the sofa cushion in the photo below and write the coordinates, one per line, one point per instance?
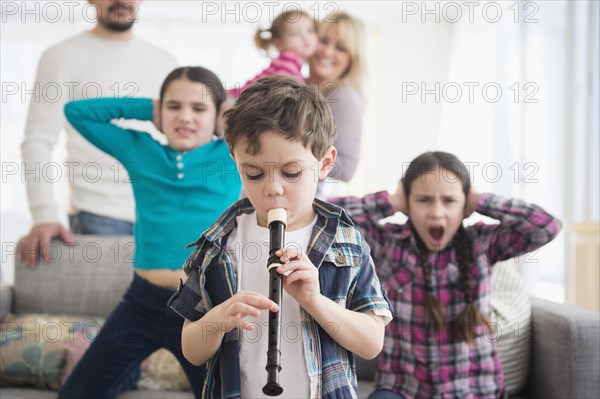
(35, 346)
(87, 279)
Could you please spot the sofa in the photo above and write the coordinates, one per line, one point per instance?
(88, 280)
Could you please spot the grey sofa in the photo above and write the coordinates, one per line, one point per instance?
(90, 278)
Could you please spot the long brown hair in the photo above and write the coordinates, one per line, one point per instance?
(471, 317)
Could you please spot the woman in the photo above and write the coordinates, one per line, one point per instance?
(337, 69)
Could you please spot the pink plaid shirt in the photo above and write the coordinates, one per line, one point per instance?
(288, 63)
(418, 362)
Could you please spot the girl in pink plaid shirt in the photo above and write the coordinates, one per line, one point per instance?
(437, 272)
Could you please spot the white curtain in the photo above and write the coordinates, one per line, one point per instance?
(530, 127)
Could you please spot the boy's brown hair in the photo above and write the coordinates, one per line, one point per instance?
(284, 105)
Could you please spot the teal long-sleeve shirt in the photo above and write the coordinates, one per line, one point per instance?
(177, 194)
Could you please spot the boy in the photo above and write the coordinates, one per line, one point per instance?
(280, 133)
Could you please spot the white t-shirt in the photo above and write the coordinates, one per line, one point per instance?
(248, 245)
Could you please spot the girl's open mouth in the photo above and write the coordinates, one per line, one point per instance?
(436, 233)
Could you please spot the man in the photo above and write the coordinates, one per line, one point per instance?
(107, 61)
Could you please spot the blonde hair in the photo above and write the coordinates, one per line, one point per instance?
(264, 38)
(351, 33)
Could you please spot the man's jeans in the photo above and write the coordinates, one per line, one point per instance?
(89, 223)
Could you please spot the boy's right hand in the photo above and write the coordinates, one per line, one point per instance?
(398, 200)
(244, 303)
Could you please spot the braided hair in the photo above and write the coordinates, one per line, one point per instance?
(471, 317)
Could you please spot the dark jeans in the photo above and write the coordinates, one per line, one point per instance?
(89, 223)
(139, 325)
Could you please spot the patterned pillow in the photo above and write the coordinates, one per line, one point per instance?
(162, 372)
(35, 348)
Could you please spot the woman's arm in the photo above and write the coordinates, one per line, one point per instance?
(93, 119)
(346, 107)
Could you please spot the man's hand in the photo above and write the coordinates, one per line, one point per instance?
(38, 240)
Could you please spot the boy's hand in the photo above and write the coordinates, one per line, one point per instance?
(301, 277)
(471, 201)
(242, 304)
(398, 200)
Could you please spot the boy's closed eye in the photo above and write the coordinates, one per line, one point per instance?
(292, 172)
(254, 177)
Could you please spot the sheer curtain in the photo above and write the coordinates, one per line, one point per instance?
(530, 128)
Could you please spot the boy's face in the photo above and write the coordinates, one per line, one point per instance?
(283, 174)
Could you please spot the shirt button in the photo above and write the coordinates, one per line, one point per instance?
(179, 165)
(180, 176)
(179, 157)
(340, 258)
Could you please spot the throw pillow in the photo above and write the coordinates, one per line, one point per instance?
(35, 347)
(162, 372)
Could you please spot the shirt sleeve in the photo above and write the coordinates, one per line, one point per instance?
(45, 120)
(523, 227)
(346, 107)
(187, 300)
(366, 213)
(366, 291)
(288, 63)
(93, 119)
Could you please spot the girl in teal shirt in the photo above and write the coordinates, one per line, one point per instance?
(179, 189)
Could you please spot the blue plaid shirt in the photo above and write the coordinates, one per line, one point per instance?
(346, 276)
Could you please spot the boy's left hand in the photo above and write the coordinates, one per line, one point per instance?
(301, 277)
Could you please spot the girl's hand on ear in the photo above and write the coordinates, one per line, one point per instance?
(398, 200)
(156, 114)
(471, 201)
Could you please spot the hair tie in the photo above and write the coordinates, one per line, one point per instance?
(266, 34)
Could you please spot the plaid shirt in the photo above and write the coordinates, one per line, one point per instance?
(418, 362)
(346, 276)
